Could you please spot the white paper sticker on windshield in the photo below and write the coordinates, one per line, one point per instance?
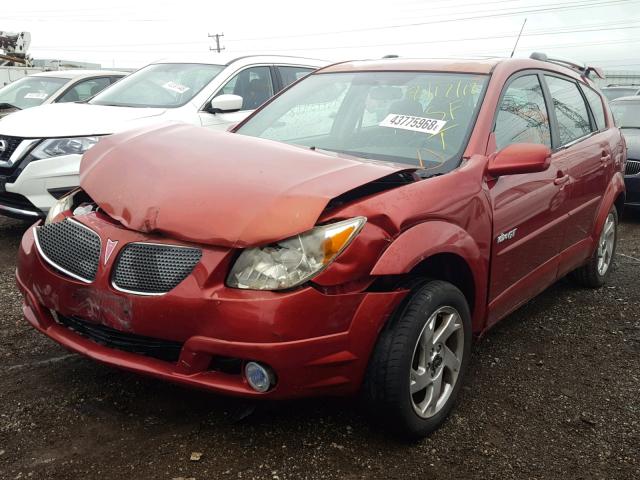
(38, 95)
(175, 87)
(416, 124)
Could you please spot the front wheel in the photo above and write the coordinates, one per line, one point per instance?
(594, 273)
(416, 370)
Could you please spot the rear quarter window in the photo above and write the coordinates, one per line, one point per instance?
(595, 102)
(570, 109)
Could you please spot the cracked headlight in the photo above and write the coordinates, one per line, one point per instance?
(56, 147)
(77, 202)
(293, 261)
(62, 205)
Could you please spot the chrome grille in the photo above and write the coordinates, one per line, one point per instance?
(9, 144)
(153, 269)
(70, 248)
(633, 167)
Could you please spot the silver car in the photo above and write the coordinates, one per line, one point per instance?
(54, 87)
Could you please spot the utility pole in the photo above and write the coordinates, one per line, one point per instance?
(217, 36)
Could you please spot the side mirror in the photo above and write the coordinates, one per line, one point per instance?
(226, 103)
(519, 158)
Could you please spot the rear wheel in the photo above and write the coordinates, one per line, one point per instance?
(416, 369)
(594, 273)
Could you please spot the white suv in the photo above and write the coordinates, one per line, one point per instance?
(41, 148)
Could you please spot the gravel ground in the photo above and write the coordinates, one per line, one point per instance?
(553, 392)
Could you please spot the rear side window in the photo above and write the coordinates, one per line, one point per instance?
(291, 74)
(522, 116)
(595, 102)
(570, 109)
(85, 89)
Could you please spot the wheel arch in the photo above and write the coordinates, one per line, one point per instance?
(613, 195)
(443, 251)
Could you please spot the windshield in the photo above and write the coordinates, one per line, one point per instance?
(161, 85)
(626, 114)
(30, 91)
(418, 118)
(613, 93)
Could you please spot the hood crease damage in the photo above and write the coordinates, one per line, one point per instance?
(221, 188)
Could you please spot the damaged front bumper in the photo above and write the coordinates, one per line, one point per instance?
(314, 343)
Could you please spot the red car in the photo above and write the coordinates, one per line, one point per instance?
(351, 236)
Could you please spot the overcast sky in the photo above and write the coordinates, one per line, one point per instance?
(126, 33)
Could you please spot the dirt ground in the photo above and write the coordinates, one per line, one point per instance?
(553, 393)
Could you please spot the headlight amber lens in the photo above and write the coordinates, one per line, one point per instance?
(293, 261)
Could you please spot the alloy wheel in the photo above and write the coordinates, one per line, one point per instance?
(436, 362)
(606, 244)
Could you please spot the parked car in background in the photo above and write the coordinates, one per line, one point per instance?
(626, 112)
(44, 144)
(350, 236)
(55, 87)
(617, 91)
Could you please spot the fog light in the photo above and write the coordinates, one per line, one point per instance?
(259, 377)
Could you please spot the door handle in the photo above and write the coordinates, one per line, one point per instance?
(605, 158)
(562, 179)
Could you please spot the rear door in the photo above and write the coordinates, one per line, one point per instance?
(586, 152)
(529, 210)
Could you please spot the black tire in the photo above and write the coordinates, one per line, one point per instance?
(387, 383)
(588, 275)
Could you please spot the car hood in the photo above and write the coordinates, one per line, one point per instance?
(217, 188)
(74, 120)
(632, 138)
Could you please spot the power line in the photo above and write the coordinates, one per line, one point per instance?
(584, 29)
(488, 53)
(546, 8)
(65, 12)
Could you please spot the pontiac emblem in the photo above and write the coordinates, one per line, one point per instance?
(111, 246)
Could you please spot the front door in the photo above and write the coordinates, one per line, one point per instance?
(529, 210)
(254, 84)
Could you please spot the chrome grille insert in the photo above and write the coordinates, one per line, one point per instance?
(153, 268)
(7, 147)
(633, 167)
(71, 248)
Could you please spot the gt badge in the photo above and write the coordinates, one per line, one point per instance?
(111, 246)
(506, 235)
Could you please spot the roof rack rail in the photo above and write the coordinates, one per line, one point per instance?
(583, 69)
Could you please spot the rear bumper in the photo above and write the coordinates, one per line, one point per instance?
(327, 354)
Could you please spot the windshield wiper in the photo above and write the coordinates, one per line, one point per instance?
(5, 105)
